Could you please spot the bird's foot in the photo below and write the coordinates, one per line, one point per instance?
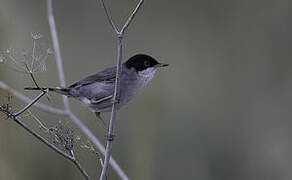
(110, 137)
(116, 101)
(101, 120)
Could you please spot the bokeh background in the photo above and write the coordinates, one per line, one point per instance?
(220, 111)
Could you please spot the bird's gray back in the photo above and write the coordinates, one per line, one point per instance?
(108, 74)
(94, 88)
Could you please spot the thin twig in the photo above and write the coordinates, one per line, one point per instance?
(109, 18)
(30, 72)
(101, 162)
(110, 134)
(59, 60)
(98, 144)
(76, 120)
(46, 142)
(33, 54)
(131, 17)
(77, 164)
(23, 98)
(30, 104)
(33, 79)
(113, 112)
(38, 121)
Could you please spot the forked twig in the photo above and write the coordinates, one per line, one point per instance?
(131, 17)
(70, 157)
(77, 164)
(69, 113)
(30, 104)
(74, 118)
(109, 18)
(119, 34)
(24, 98)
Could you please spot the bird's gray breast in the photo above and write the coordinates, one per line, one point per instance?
(131, 83)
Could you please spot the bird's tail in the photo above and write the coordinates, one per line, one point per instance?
(64, 91)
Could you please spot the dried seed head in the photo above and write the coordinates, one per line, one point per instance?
(50, 51)
(64, 136)
(2, 58)
(32, 60)
(8, 51)
(36, 35)
(78, 138)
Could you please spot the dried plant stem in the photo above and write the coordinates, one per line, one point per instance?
(131, 17)
(69, 113)
(109, 18)
(74, 118)
(77, 164)
(119, 34)
(28, 100)
(30, 104)
(55, 41)
(113, 112)
(98, 144)
(70, 157)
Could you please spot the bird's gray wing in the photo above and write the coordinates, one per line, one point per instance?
(96, 92)
(107, 75)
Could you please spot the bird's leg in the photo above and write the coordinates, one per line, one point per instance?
(108, 137)
(97, 114)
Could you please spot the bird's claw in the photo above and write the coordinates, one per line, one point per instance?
(110, 137)
(116, 101)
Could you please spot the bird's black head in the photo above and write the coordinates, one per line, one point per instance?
(141, 62)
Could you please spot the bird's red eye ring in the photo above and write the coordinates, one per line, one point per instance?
(147, 63)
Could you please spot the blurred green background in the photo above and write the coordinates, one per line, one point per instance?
(220, 111)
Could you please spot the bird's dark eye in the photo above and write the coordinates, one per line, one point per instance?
(147, 63)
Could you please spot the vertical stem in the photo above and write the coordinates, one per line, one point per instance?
(114, 110)
(57, 50)
(69, 113)
(33, 56)
(119, 34)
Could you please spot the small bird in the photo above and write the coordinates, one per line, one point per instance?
(96, 91)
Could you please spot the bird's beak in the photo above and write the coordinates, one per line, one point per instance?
(161, 65)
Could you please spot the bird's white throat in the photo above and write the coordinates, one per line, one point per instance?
(147, 74)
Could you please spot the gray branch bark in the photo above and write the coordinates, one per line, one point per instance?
(119, 34)
(70, 157)
(83, 128)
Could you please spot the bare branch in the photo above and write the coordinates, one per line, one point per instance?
(98, 144)
(77, 164)
(77, 121)
(23, 98)
(31, 75)
(83, 128)
(33, 79)
(113, 112)
(30, 104)
(70, 157)
(127, 23)
(38, 121)
(109, 18)
(57, 50)
(110, 134)
(131, 17)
